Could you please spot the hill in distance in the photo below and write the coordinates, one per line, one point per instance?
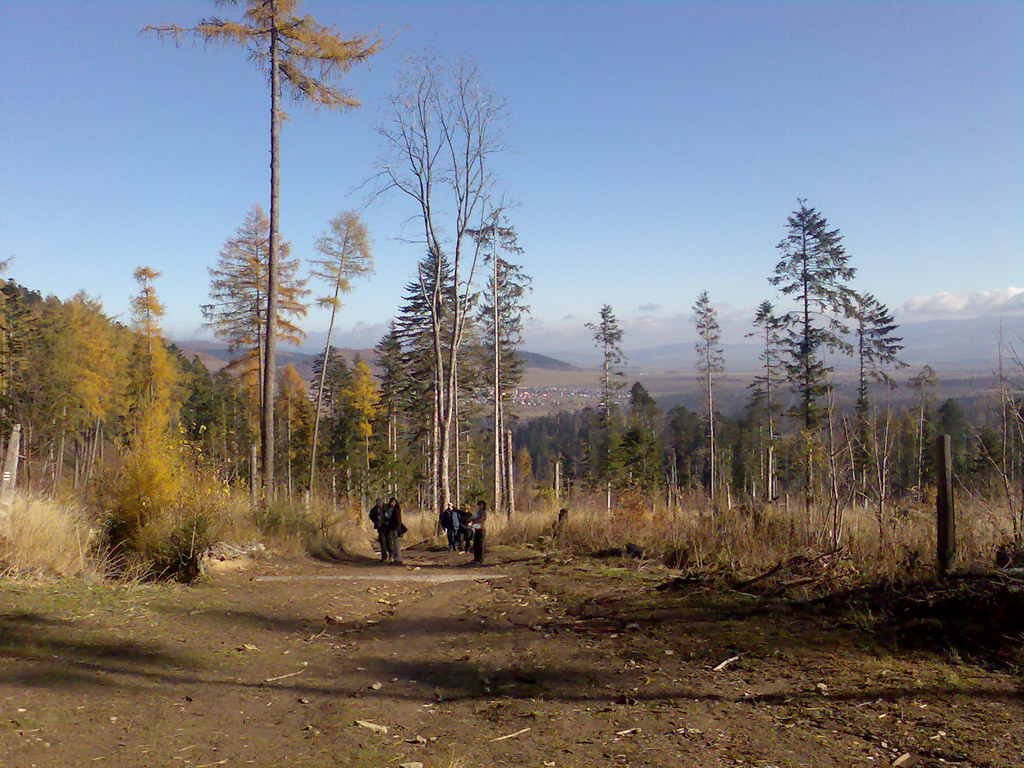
(215, 355)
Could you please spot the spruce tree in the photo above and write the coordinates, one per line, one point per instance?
(813, 271)
(608, 338)
(877, 347)
(501, 317)
(710, 362)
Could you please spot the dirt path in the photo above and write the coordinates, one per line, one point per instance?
(587, 665)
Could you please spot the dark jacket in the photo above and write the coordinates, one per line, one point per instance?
(392, 518)
(445, 519)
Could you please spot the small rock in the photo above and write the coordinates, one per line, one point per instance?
(822, 687)
(247, 647)
(413, 764)
(416, 740)
(632, 625)
(376, 687)
(303, 701)
(906, 760)
(372, 726)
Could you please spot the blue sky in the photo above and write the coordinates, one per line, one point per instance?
(658, 148)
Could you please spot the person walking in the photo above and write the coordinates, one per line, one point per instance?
(449, 523)
(395, 530)
(478, 522)
(380, 517)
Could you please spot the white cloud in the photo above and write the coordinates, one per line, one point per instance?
(964, 304)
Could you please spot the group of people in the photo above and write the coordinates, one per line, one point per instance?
(465, 530)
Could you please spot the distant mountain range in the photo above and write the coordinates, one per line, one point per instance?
(537, 360)
(215, 355)
(947, 345)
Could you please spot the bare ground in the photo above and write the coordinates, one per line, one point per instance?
(587, 664)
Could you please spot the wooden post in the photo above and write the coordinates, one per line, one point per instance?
(10, 476)
(558, 480)
(254, 463)
(509, 458)
(945, 511)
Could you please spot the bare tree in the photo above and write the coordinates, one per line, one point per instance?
(441, 129)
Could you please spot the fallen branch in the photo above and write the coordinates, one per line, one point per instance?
(786, 585)
(784, 565)
(511, 735)
(725, 664)
(282, 677)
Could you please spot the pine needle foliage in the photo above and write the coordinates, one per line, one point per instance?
(149, 478)
(313, 56)
(877, 347)
(813, 270)
(237, 308)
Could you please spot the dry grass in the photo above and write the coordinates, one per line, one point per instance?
(48, 536)
(745, 540)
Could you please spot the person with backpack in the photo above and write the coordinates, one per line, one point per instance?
(381, 517)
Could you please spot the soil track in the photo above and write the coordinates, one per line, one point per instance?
(586, 664)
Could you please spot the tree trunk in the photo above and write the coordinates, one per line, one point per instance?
(511, 475)
(711, 431)
(323, 378)
(269, 382)
(497, 374)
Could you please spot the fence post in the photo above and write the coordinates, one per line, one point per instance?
(944, 508)
(10, 476)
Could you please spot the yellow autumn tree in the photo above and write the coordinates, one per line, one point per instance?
(361, 398)
(150, 477)
(83, 380)
(295, 414)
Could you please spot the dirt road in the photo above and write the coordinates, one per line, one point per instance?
(530, 661)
